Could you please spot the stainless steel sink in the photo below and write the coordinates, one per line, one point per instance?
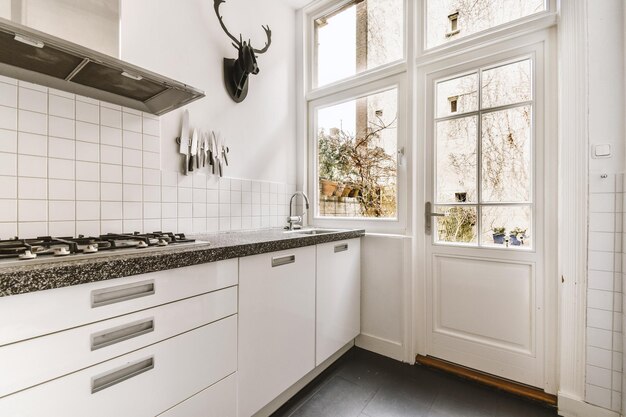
(313, 231)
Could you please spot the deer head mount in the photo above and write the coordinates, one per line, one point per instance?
(237, 71)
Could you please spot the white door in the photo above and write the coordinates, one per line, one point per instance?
(485, 239)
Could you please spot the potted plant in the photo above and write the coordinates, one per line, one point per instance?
(498, 235)
(328, 187)
(517, 236)
(347, 189)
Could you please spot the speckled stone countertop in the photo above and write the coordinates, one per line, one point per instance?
(20, 277)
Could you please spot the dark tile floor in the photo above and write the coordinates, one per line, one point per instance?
(363, 384)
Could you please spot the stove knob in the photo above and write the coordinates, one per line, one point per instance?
(162, 242)
(61, 252)
(27, 256)
(91, 249)
(142, 245)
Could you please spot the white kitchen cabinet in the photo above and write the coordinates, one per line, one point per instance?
(276, 324)
(338, 301)
(219, 400)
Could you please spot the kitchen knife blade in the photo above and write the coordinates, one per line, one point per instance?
(184, 141)
(194, 149)
(205, 143)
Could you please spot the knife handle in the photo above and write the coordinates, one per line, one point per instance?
(186, 164)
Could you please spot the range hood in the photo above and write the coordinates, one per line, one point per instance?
(36, 57)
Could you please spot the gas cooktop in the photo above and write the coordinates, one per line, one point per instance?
(48, 246)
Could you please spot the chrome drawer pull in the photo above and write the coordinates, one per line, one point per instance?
(115, 377)
(341, 248)
(121, 293)
(283, 260)
(119, 334)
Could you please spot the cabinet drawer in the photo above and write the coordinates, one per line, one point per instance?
(143, 383)
(44, 358)
(36, 314)
(219, 400)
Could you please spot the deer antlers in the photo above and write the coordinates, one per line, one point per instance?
(238, 43)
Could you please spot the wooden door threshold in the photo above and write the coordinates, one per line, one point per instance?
(515, 388)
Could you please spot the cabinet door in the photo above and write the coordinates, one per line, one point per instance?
(338, 296)
(276, 324)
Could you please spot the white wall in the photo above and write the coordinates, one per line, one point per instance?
(183, 40)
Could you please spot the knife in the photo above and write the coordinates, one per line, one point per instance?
(194, 149)
(184, 141)
(199, 150)
(205, 147)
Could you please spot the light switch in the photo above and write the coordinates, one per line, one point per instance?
(602, 151)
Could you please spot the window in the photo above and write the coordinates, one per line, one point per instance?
(448, 20)
(357, 148)
(358, 36)
(483, 157)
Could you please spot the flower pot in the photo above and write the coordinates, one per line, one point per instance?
(327, 187)
(354, 192)
(498, 239)
(514, 241)
(346, 191)
(339, 190)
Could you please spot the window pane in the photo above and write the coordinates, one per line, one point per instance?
(508, 84)
(458, 225)
(448, 20)
(456, 160)
(359, 37)
(506, 226)
(357, 166)
(506, 155)
(456, 96)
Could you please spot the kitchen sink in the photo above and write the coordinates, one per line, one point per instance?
(313, 231)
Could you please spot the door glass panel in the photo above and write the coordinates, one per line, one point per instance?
(456, 160)
(458, 95)
(508, 84)
(506, 226)
(459, 224)
(506, 156)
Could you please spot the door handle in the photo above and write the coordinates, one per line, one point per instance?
(429, 214)
(283, 260)
(121, 293)
(115, 377)
(119, 334)
(341, 248)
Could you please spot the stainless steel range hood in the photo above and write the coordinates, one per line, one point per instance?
(36, 57)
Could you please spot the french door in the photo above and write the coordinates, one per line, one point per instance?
(486, 242)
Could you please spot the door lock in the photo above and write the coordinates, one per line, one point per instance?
(429, 214)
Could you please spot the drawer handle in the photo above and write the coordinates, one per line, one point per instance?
(341, 248)
(283, 260)
(115, 377)
(121, 293)
(119, 334)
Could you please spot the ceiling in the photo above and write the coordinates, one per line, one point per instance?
(296, 4)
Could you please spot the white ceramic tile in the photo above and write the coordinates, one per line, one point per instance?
(599, 338)
(62, 128)
(235, 223)
(199, 210)
(132, 140)
(169, 224)
(110, 210)
(87, 210)
(32, 122)
(213, 182)
(617, 322)
(8, 80)
(131, 122)
(602, 241)
(8, 187)
(599, 357)
(213, 210)
(617, 361)
(199, 181)
(616, 401)
(132, 226)
(110, 106)
(110, 191)
(224, 224)
(600, 319)
(224, 196)
(235, 209)
(32, 166)
(152, 144)
(169, 194)
(169, 179)
(8, 118)
(33, 188)
(8, 141)
(256, 222)
(246, 210)
(616, 383)
(185, 210)
(110, 155)
(8, 95)
(246, 185)
(132, 192)
(63, 228)
(88, 228)
(132, 158)
(602, 300)
(61, 106)
(87, 100)
(246, 223)
(8, 210)
(87, 191)
(601, 280)
(33, 100)
(87, 171)
(597, 184)
(31, 144)
(152, 210)
(61, 190)
(132, 210)
(212, 196)
(110, 117)
(213, 225)
(86, 112)
(61, 148)
(32, 86)
(111, 173)
(601, 261)
(110, 136)
(32, 210)
(60, 93)
(265, 187)
(151, 127)
(87, 132)
(224, 184)
(62, 210)
(112, 226)
(618, 342)
(199, 225)
(89, 152)
(131, 111)
(132, 175)
(61, 169)
(169, 210)
(199, 196)
(185, 224)
(225, 209)
(152, 225)
(235, 197)
(151, 176)
(152, 194)
(32, 229)
(151, 160)
(185, 195)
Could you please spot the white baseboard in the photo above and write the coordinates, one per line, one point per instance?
(389, 348)
(574, 407)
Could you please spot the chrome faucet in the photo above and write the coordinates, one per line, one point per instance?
(296, 220)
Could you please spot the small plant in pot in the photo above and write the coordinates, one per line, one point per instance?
(517, 236)
(499, 234)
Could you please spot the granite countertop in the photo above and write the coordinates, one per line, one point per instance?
(20, 277)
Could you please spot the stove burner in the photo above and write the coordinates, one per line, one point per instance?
(27, 249)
